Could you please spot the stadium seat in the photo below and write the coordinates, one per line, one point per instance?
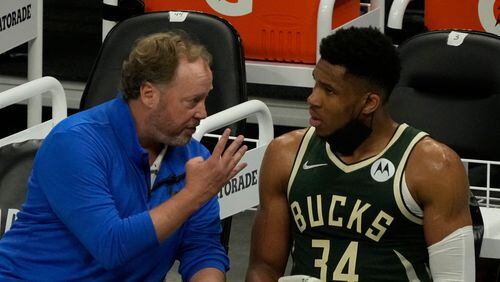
(15, 168)
(452, 92)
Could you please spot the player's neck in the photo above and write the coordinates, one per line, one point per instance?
(383, 130)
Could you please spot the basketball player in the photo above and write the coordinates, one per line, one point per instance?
(356, 196)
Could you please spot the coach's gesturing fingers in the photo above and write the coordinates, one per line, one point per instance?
(205, 178)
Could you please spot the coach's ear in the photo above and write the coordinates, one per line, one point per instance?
(149, 94)
(372, 102)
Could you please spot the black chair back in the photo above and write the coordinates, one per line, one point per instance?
(216, 34)
(452, 92)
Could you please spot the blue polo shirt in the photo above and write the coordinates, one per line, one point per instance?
(86, 215)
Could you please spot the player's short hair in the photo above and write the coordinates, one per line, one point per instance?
(365, 53)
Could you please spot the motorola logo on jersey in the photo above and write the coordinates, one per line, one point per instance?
(382, 170)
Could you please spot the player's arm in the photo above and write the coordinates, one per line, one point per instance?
(270, 244)
(437, 180)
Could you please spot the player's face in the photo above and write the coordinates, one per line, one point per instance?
(335, 98)
(182, 103)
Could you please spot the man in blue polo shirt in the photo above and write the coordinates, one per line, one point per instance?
(120, 191)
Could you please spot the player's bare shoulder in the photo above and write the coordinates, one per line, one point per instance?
(433, 155)
(433, 165)
(287, 144)
(280, 155)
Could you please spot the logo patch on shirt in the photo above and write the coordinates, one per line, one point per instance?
(307, 166)
(382, 170)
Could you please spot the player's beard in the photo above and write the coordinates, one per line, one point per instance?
(348, 138)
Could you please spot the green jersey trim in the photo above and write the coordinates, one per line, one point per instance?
(300, 156)
(399, 177)
(352, 167)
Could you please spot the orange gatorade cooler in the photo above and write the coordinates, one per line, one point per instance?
(482, 15)
(276, 30)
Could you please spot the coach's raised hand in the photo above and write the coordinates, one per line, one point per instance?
(204, 179)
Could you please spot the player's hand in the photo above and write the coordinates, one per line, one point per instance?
(206, 178)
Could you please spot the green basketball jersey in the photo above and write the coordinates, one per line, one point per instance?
(349, 222)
